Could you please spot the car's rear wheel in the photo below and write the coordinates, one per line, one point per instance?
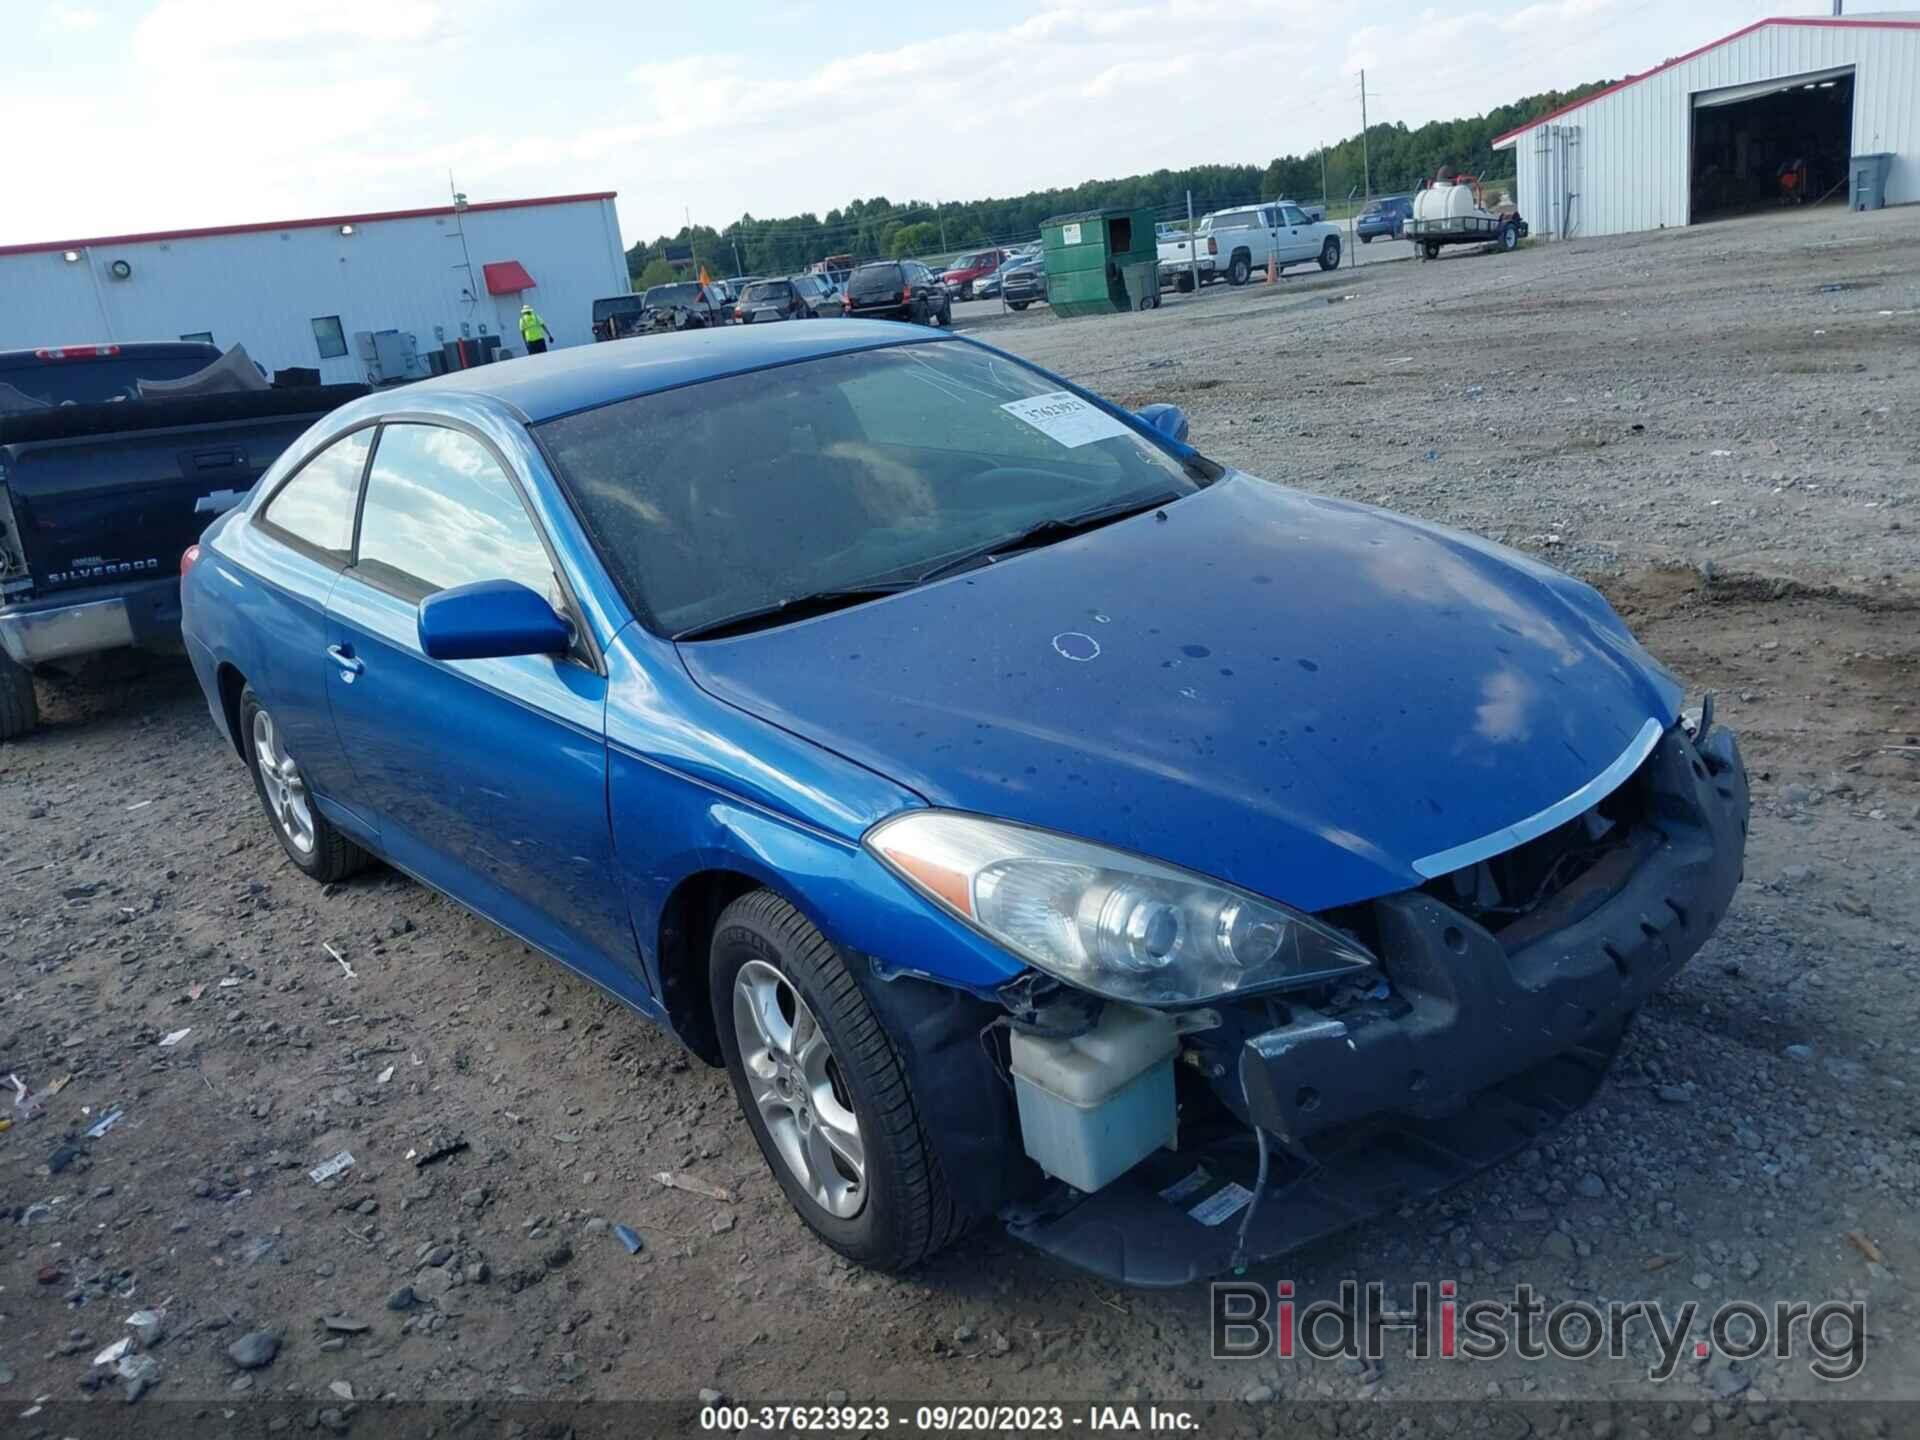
(946, 313)
(1184, 284)
(1239, 270)
(1366, 239)
(308, 837)
(19, 711)
(823, 1088)
(1330, 254)
(1019, 304)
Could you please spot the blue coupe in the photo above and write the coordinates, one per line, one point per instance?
(1035, 817)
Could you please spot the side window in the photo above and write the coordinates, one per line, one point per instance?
(440, 512)
(1294, 216)
(316, 505)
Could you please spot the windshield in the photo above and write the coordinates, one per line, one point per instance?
(719, 499)
(767, 290)
(688, 294)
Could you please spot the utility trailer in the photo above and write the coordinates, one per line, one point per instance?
(1453, 210)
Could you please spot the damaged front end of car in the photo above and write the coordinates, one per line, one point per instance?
(1181, 1141)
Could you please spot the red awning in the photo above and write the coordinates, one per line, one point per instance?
(507, 277)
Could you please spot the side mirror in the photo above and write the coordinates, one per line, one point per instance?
(1169, 420)
(491, 619)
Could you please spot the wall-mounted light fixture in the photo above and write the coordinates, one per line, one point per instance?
(346, 229)
(72, 257)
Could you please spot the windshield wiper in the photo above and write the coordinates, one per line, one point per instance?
(1044, 532)
(794, 607)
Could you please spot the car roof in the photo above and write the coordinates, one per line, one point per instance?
(582, 377)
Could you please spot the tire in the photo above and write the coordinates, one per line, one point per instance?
(308, 837)
(1509, 236)
(1366, 239)
(946, 316)
(767, 962)
(1330, 253)
(1238, 271)
(1431, 249)
(1018, 304)
(19, 711)
(1184, 284)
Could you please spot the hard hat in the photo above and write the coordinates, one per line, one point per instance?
(526, 309)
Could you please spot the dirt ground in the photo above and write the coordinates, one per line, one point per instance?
(1756, 1140)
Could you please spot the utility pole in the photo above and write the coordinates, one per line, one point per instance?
(738, 268)
(1366, 168)
(1193, 248)
(941, 211)
(1323, 175)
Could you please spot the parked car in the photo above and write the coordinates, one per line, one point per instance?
(617, 316)
(684, 305)
(798, 297)
(789, 688)
(1386, 216)
(1024, 282)
(897, 290)
(821, 292)
(989, 287)
(103, 484)
(964, 272)
(1233, 244)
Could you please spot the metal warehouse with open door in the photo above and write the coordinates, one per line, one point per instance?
(1784, 112)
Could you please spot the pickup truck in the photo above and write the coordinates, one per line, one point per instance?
(103, 488)
(1232, 244)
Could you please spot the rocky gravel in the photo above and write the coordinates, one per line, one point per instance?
(346, 1148)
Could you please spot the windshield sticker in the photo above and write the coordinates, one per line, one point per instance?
(1218, 1208)
(1066, 419)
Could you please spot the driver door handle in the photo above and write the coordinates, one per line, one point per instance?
(349, 666)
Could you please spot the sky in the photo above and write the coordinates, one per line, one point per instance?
(133, 115)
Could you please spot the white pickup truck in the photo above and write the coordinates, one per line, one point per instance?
(1232, 244)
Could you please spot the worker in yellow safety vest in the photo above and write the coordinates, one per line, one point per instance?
(534, 331)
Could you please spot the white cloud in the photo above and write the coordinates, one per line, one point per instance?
(74, 19)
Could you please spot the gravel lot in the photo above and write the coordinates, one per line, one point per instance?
(1693, 419)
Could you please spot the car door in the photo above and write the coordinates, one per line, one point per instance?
(305, 542)
(487, 778)
(1302, 241)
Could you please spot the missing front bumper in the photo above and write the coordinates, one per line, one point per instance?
(1495, 1044)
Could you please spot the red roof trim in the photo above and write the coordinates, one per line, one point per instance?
(320, 222)
(506, 277)
(1816, 21)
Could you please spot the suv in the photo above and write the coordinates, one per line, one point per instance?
(978, 265)
(897, 290)
(799, 297)
(1386, 216)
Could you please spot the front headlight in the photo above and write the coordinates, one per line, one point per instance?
(1106, 921)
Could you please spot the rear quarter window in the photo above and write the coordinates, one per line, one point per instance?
(316, 506)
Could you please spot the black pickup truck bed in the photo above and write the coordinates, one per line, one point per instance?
(97, 503)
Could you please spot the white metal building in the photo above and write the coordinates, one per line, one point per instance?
(296, 293)
(1709, 133)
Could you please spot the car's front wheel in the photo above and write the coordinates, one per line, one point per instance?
(824, 1091)
(1330, 254)
(308, 837)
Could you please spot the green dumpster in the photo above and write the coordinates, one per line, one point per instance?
(1100, 261)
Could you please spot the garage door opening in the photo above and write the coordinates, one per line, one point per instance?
(1771, 144)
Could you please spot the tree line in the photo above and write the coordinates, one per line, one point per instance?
(1395, 159)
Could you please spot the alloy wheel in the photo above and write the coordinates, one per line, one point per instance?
(285, 790)
(798, 1089)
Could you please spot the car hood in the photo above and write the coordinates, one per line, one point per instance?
(1299, 695)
